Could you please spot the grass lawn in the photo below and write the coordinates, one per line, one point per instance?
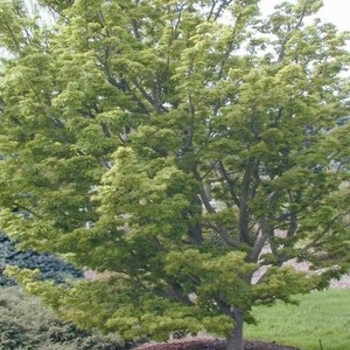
(320, 316)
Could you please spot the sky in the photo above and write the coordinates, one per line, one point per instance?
(335, 11)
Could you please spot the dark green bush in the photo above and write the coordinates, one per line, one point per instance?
(25, 324)
(51, 267)
(12, 334)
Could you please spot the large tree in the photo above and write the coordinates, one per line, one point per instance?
(179, 146)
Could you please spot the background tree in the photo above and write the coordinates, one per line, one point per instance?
(169, 143)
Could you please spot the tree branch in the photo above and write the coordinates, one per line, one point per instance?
(259, 244)
(230, 183)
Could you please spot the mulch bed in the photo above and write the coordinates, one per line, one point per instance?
(212, 344)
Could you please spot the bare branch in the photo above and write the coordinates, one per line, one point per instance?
(230, 182)
(259, 244)
(203, 194)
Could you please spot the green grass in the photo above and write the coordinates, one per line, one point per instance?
(320, 316)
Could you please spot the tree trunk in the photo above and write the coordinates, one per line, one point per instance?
(234, 340)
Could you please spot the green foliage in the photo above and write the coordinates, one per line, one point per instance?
(26, 324)
(167, 147)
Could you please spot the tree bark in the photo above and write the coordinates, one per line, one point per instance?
(234, 340)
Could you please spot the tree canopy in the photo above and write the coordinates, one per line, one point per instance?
(180, 146)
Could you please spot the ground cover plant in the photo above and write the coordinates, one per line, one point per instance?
(320, 318)
(180, 148)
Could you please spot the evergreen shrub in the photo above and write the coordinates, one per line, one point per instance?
(26, 324)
